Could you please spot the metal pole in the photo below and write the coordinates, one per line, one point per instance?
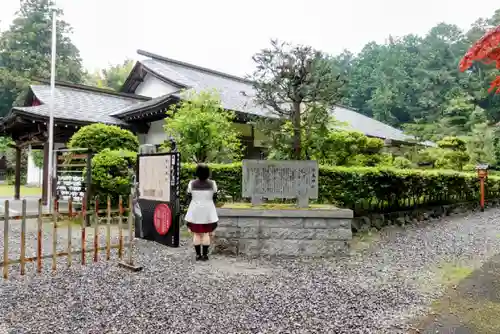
(51, 111)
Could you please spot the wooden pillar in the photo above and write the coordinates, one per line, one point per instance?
(17, 180)
(45, 172)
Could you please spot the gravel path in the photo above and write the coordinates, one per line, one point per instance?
(378, 289)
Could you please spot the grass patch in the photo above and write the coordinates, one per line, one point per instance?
(481, 316)
(7, 190)
(277, 206)
(451, 274)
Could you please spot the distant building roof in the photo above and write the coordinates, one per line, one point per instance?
(91, 104)
(236, 94)
(370, 127)
(80, 103)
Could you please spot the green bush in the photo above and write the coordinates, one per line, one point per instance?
(401, 163)
(97, 137)
(11, 179)
(112, 171)
(366, 189)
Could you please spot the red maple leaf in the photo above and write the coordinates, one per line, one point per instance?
(487, 51)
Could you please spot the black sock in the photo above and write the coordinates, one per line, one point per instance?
(197, 248)
(205, 250)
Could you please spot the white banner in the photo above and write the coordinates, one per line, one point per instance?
(154, 177)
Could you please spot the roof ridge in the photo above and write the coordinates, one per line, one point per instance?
(93, 89)
(196, 67)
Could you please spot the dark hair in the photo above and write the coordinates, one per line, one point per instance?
(202, 172)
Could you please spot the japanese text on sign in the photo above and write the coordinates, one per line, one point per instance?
(154, 177)
(280, 179)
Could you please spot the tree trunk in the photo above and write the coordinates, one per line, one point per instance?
(297, 149)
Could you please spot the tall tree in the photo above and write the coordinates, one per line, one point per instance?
(112, 77)
(289, 80)
(25, 51)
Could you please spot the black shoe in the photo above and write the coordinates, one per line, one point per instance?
(199, 258)
(197, 249)
(205, 253)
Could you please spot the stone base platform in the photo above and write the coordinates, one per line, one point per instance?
(257, 232)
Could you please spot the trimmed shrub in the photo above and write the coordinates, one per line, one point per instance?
(112, 171)
(401, 162)
(97, 137)
(368, 189)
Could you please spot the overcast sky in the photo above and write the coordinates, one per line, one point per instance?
(224, 34)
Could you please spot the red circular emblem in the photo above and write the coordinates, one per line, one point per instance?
(162, 219)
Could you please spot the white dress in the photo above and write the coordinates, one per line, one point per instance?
(202, 209)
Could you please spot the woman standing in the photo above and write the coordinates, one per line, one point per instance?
(201, 216)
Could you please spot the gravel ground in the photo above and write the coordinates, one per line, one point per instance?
(377, 289)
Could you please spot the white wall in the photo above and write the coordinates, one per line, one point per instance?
(34, 175)
(156, 133)
(154, 87)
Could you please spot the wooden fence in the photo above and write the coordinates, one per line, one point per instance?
(71, 251)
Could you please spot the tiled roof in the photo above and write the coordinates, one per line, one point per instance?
(368, 126)
(155, 102)
(79, 104)
(236, 94)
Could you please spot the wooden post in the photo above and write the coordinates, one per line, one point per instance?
(108, 229)
(39, 238)
(482, 173)
(88, 184)
(481, 180)
(17, 182)
(6, 240)
(23, 238)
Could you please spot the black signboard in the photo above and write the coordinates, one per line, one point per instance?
(157, 192)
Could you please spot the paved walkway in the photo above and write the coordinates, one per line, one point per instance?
(473, 306)
(15, 206)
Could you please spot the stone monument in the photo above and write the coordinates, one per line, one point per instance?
(316, 230)
(272, 179)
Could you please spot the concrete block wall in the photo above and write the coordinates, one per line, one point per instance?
(253, 232)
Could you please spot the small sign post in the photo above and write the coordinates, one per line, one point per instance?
(157, 196)
(482, 173)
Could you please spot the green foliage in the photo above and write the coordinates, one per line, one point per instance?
(25, 51)
(370, 189)
(97, 137)
(480, 144)
(291, 80)
(351, 148)
(316, 124)
(202, 129)
(112, 171)
(444, 158)
(452, 143)
(402, 163)
(37, 158)
(413, 82)
(112, 77)
(323, 140)
(113, 163)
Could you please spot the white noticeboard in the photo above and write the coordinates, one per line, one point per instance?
(154, 177)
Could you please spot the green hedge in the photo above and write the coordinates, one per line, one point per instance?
(368, 189)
